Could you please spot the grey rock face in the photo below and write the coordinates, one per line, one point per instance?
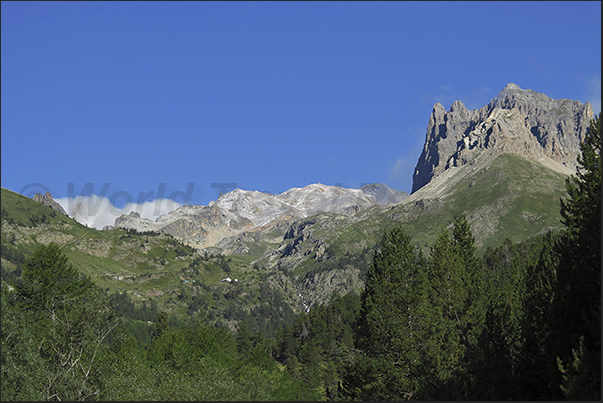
(47, 200)
(516, 121)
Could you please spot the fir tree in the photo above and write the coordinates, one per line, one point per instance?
(447, 298)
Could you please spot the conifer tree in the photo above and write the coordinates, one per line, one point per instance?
(392, 326)
(70, 319)
(447, 298)
(577, 306)
(50, 281)
(536, 368)
(471, 275)
(457, 310)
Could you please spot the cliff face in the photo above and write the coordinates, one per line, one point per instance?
(516, 121)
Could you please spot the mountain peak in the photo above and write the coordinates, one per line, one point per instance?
(516, 121)
(511, 86)
(252, 211)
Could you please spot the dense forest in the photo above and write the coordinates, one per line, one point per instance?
(520, 322)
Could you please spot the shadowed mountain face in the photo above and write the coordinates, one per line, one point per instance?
(517, 121)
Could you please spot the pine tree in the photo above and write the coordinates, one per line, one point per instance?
(70, 319)
(456, 295)
(495, 359)
(536, 368)
(473, 280)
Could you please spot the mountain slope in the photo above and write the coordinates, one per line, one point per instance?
(513, 197)
(151, 268)
(504, 166)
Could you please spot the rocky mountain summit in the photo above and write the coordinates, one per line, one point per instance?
(517, 121)
(47, 200)
(242, 211)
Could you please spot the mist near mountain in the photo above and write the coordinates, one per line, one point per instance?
(98, 212)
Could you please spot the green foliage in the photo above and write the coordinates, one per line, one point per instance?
(23, 369)
(315, 347)
(535, 363)
(50, 282)
(74, 347)
(448, 299)
(123, 305)
(579, 378)
(199, 362)
(66, 320)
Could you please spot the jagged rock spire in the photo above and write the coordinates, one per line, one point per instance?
(516, 121)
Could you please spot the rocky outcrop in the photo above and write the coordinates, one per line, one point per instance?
(516, 121)
(134, 221)
(47, 200)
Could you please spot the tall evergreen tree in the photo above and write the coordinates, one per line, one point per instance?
(50, 281)
(577, 306)
(70, 319)
(495, 360)
(392, 327)
(456, 296)
(536, 367)
(472, 277)
(447, 297)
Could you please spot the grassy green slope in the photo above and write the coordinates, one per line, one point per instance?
(512, 198)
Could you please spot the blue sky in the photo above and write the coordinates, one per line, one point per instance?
(265, 95)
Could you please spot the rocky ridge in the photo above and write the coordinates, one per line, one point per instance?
(221, 223)
(516, 121)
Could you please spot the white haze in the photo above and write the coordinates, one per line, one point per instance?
(98, 211)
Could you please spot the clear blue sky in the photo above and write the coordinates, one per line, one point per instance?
(267, 95)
